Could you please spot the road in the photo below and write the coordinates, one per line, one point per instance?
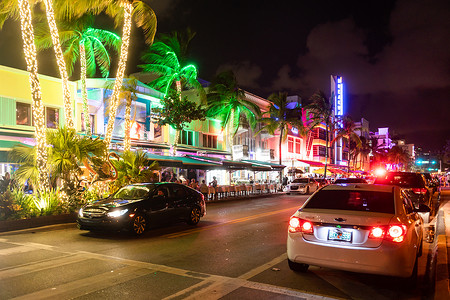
(238, 251)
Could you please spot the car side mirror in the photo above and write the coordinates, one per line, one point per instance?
(423, 208)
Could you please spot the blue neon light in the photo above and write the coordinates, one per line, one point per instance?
(339, 101)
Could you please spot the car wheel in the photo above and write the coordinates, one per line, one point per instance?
(139, 224)
(288, 193)
(194, 216)
(297, 267)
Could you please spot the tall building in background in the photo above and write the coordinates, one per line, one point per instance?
(337, 93)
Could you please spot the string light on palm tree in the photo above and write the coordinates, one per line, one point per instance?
(60, 61)
(37, 107)
(128, 8)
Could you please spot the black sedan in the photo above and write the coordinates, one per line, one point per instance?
(137, 206)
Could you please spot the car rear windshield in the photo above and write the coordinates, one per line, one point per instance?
(351, 180)
(300, 180)
(403, 180)
(381, 202)
(133, 192)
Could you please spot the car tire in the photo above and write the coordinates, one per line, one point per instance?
(194, 216)
(288, 193)
(139, 224)
(297, 267)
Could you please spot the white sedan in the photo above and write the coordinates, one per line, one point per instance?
(357, 227)
(302, 185)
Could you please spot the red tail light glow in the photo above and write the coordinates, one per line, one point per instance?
(299, 225)
(422, 191)
(395, 233)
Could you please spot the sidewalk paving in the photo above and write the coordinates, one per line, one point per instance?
(441, 247)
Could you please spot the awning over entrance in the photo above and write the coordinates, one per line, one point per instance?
(165, 161)
(272, 166)
(190, 163)
(312, 163)
(225, 163)
(5, 148)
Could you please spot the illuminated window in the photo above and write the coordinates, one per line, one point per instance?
(23, 114)
(320, 133)
(297, 146)
(92, 119)
(210, 141)
(186, 138)
(52, 117)
(319, 150)
(290, 144)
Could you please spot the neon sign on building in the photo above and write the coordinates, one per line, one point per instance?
(339, 96)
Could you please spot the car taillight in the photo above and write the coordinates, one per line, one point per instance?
(395, 233)
(299, 225)
(421, 191)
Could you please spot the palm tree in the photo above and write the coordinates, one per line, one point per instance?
(87, 44)
(127, 93)
(67, 151)
(167, 58)
(347, 131)
(22, 10)
(321, 111)
(135, 167)
(281, 118)
(123, 11)
(228, 103)
(397, 156)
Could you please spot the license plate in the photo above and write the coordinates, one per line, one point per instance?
(339, 235)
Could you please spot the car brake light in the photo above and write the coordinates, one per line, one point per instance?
(299, 225)
(376, 233)
(395, 233)
(422, 191)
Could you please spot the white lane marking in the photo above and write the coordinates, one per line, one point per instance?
(24, 247)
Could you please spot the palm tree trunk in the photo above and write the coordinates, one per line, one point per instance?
(230, 134)
(279, 153)
(87, 121)
(127, 138)
(326, 151)
(61, 62)
(175, 143)
(128, 7)
(38, 107)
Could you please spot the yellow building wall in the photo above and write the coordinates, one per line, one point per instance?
(15, 84)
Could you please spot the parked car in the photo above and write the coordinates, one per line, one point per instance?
(415, 182)
(349, 180)
(357, 227)
(135, 207)
(302, 185)
(432, 183)
(322, 181)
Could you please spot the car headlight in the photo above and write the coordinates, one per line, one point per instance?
(80, 213)
(117, 213)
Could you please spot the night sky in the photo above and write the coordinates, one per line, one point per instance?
(394, 56)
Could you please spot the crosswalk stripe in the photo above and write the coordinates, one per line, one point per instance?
(39, 266)
(88, 285)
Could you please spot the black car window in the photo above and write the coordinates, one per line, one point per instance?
(382, 202)
(161, 191)
(350, 180)
(178, 191)
(403, 180)
(300, 180)
(132, 192)
(409, 208)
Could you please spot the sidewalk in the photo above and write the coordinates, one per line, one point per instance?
(441, 247)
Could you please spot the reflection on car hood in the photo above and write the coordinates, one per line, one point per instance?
(113, 202)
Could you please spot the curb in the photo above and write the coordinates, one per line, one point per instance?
(12, 225)
(441, 274)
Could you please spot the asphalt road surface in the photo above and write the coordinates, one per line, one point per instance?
(238, 251)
